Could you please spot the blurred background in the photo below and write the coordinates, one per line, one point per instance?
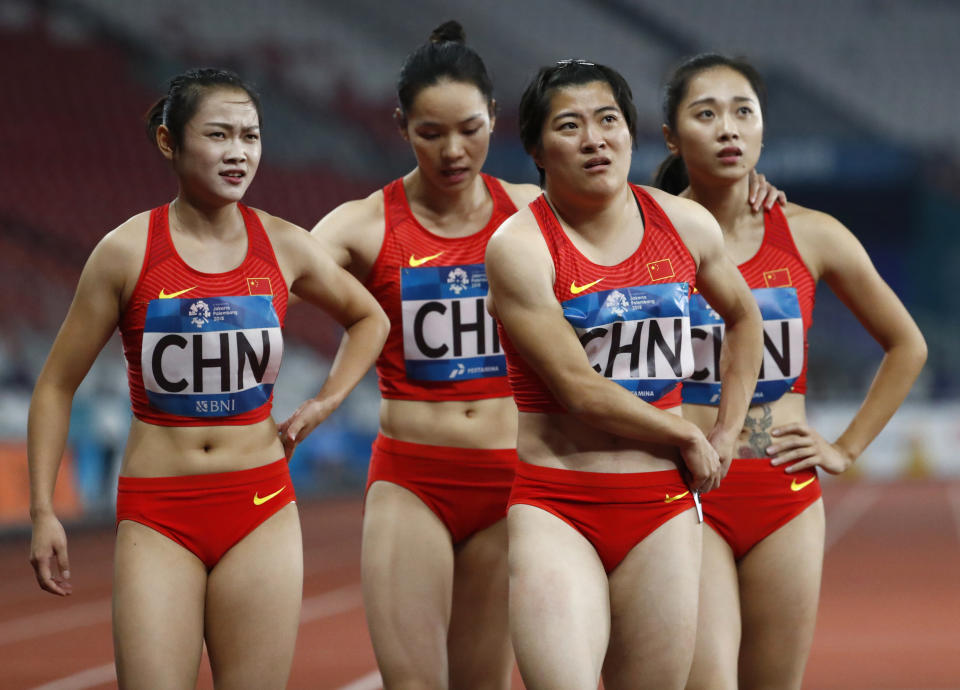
(863, 99)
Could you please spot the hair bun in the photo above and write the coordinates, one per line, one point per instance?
(450, 31)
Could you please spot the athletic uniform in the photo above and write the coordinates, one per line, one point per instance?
(633, 322)
(204, 349)
(442, 346)
(756, 498)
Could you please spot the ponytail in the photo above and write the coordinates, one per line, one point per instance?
(672, 176)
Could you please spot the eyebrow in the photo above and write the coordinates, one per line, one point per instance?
(430, 123)
(571, 113)
(227, 125)
(711, 99)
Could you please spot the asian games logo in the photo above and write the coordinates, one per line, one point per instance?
(617, 303)
(458, 280)
(200, 313)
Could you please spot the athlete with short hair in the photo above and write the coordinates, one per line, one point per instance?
(208, 547)
(591, 285)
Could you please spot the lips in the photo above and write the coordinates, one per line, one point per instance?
(729, 154)
(233, 176)
(596, 162)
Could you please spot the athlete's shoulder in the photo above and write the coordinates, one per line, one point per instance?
(354, 215)
(677, 208)
(520, 194)
(805, 220)
(517, 238)
(127, 241)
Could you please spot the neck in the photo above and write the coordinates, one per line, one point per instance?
(594, 218)
(440, 202)
(201, 219)
(727, 203)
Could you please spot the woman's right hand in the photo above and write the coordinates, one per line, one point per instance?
(702, 461)
(48, 555)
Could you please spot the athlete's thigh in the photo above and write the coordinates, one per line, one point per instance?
(253, 605)
(478, 642)
(718, 618)
(158, 591)
(653, 604)
(559, 602)
(407, 574)
(779, 591)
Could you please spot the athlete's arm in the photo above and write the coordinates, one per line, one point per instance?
(520, 273)
(834, 254)
(316, 278)
(89, 323)
(727, 293)
(353, 233)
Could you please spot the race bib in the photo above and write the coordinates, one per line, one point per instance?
(210, 357)
(782, 347)
(638, 337)
(447, 332)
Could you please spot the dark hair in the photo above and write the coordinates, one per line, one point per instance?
(672, 176)
(184, 93)
(535, 103)
(444, 56)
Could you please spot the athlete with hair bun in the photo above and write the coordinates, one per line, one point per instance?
(434, 535)
(763, 548)
(208, 547)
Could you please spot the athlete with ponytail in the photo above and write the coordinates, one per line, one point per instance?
(763, 546)
(208, 547)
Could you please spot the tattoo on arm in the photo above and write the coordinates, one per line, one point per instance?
(758, 423)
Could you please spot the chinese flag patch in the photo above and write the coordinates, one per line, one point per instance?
(660, 270)
(777, 278)
(259, 286)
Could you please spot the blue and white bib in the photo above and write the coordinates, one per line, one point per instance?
(639, 337)
(447, 332)
(210, 356)
(782, 347)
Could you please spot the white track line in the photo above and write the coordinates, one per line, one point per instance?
(314, 608)
(50, 622)
(371, 681)
(845, 514)
(90, 678)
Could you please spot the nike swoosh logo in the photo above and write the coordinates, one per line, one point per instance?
(257, 501)
(671, 499)
(419, 262)
(169, 295)
(577, 289)
(796, 487)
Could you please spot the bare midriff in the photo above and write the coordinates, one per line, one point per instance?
(488, 423)
(162, 451)
(562, 441)
(761, 420)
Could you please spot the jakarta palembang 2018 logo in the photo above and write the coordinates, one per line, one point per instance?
(617, 303)
(200, 313)
(458, 280)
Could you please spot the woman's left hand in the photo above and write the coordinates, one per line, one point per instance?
(305, 419)
(802, 446)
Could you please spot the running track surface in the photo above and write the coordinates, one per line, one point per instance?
(889, 612)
